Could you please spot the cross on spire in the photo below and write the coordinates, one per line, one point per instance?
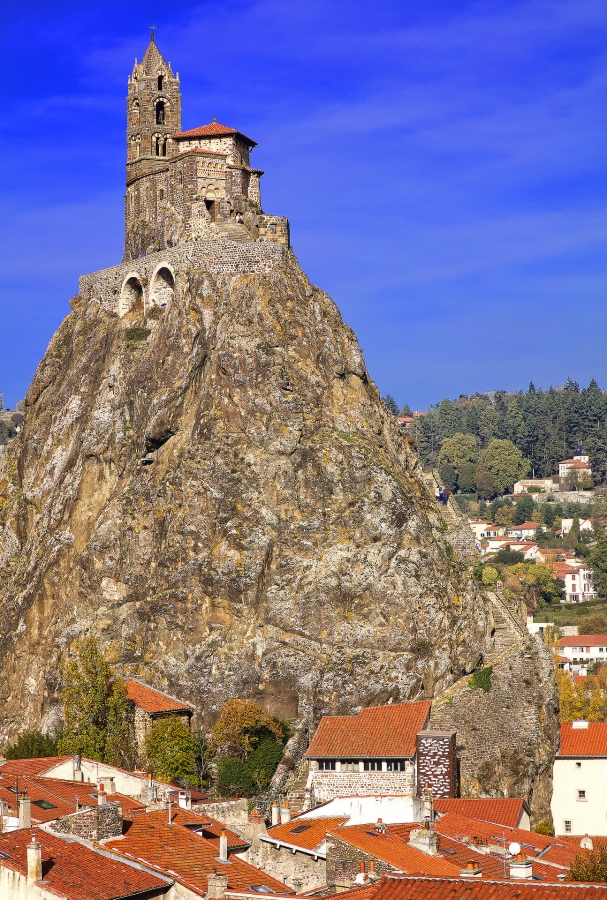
(152, 28)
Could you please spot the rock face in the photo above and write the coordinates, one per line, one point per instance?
(216, 490)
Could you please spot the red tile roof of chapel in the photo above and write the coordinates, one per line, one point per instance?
(74, 871)
(152, 700)
(377, 732)
(213, 129)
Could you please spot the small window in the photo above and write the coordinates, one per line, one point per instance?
(578, 765)
(43, 804)
(160, 82)
(262, 889)
(300, 829)
(581, 795)
(4, 855)
(162, 195)
(567, 826)
(373, 765)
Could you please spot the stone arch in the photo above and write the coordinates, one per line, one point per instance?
(162, 286)
(131, 294)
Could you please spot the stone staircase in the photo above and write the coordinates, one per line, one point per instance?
(296, 790)
(510, 632)
(234, 231)
(458, 532)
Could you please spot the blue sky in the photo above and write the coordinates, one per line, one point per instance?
(443, 165)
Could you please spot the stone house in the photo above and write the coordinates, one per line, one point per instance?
(148, 705)
(378, 752)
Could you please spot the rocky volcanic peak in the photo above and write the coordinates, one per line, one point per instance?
(216, 490)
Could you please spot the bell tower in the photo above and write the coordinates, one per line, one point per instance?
(153, 113)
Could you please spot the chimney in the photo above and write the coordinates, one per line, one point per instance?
(34, 861)
(361, 878)
(379, 826)
(216, 886)
(111, 786)
(275, 813)
(372, 875)
(425, 840)
(428, 805)
(472, 870)
(101, 796)
(223, 846)
(285, 813)
(25, 812)
(520, 867)
(586, 843)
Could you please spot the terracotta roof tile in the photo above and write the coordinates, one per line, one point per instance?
(392, 849)
(213, 129)
(377, 732)
(152, 700)
(579, 640)
(192, 820)
(407, 887)
(504, 811)
(36, 766)
(590, 741)
(74, 871)
(58, 795)
(186, 856)
(306, 833)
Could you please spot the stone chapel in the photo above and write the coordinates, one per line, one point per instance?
(184, 186)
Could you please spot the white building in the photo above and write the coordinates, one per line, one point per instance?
(579, 796)
(579, 582)
(526, 531)
(585, 525)
(584, 648)
(544, 484)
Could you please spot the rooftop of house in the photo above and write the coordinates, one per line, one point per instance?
(195, 821)
(306, 833)
(152, 700)
(581, 640)
(31, 766)
(378, 732)
(76, 872)
(501, 811)
(583, 739)
(213, 129)
(409, 887)
(391, 848)
(52, 798)
(526, 526)
(188, 857)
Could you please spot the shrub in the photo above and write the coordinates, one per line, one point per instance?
(30, 745)
(589, 865)
(233, 776)
(171, 750)
(481, 679)
(544, 827)
(240, 727)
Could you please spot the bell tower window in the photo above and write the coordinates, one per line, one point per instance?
(160, 82)
(160, 112)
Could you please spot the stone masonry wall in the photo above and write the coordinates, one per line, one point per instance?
(95, 823)
(297, 870)
(343, 862)
(507, 737)
(328, 785)
(218, 257)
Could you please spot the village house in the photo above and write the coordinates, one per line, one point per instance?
(578, 579)
(576, 469)
(579, 796)
(566, 524)
(526, 531)
(382, 750)
(484, 530)
(536, 485)
(584, 648)
(148, 706)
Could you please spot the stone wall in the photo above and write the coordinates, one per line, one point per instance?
(234, 813)
(95, 823)
(219, 257)
(297, 870)
(328, 785)
(343, 862)
(507, 737)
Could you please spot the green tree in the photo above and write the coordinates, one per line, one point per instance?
(489, 576)
(593, 624)
(94, 707)
(599, 561)
(240, 727)
(524, 509)
(405, 410)
(170, 750)
(589, 865)
(390, 404)
(466, 480)
(485, 483)
(533, 582)
(30, 745)
(448, 476)
(458, 450)
(506, 464)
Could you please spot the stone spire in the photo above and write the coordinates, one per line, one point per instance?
(153, 111)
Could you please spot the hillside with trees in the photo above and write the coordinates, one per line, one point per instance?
(545, 426)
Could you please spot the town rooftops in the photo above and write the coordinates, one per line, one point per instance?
(52, 798)
(378, 732)
(412, 887)
(583, 739)
(75, 872)
(213, 129)
(307, 834)
(153, 701)
(526, 526)
(392, 849)
(188, 857)
(501, 811)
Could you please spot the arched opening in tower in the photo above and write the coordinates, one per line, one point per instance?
(160, 112)
(163, 287)
(160, 82)
(131, 296)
